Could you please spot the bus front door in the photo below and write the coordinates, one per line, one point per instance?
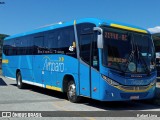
(89, 66)
(85, 70)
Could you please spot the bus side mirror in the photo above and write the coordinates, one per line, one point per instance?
(100, 36)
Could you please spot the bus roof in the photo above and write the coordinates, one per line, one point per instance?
(96, 21)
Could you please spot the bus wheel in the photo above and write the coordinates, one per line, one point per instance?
(20, 85)
(71, 92)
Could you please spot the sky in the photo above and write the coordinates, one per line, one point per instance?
(17, 16)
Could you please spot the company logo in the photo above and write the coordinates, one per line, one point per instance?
(21, 114)
(54, 65)
(6, 114)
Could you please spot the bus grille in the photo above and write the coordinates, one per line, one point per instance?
(134, 87)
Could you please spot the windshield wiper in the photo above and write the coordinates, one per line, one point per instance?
(143, 61)
(132, 53)
(142, 58)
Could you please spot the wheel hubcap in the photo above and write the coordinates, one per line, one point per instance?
(19, 80)
(72, 90)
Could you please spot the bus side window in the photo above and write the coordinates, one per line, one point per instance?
(17, 44)
(66, 39)
(20, 46)
(85, 37)
(95, 56)
(24, 45)
(6, 47)
(59, 41)
(38, 44)
(51, 42)
(70, 44)
(11, 47)
(30, 47)
(85, 45)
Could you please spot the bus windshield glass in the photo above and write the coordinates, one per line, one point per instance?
(128, 51)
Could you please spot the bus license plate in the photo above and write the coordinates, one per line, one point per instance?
(134, 97)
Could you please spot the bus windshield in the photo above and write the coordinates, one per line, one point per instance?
(128, 51)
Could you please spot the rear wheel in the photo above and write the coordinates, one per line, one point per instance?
(20, 85)
(71, 92)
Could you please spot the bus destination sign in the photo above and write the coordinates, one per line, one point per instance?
(115, 36)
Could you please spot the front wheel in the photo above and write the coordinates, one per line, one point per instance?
(71, 93)
(20, 85)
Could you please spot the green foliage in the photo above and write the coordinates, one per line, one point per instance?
(2, 36)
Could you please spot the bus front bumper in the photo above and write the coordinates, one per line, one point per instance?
(125, 93)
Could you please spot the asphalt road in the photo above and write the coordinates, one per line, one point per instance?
(33, 98)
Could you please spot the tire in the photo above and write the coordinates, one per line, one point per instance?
(71, 93)
(20, 85)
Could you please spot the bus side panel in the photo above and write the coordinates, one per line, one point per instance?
(9, 72)
(95, 84)
(84, 80)
(48, 78)
(37, 68)
(48, 67)
(68, 66)
(9, 66)
(23, 63)
(51, 69)
(25, 66)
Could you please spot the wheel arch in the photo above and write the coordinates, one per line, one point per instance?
(66, 79)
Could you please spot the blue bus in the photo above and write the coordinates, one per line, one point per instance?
(99, 59)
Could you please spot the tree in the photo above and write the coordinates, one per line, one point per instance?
(2, 36)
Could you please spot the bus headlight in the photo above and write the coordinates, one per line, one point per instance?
(110, 81)
(153, 82)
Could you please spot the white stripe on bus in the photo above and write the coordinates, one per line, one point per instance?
(10, 78)
(28, 82)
